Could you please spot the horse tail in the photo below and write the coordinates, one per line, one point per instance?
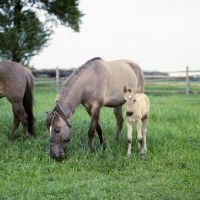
(141, 81)
(28, 101)
(139, 73)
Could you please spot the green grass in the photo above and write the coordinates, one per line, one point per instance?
(171, 169)
(172, 86)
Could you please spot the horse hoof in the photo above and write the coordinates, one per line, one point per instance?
(143, 154)
(25, 137)
(128, 154)
(104, 146)
(34, 135)
(117, 138)
(13, 137)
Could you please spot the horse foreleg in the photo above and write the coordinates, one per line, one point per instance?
(144, 133)
(139, 134)
(95, 112)
(129, 137)
(119, 119)
(98, 128)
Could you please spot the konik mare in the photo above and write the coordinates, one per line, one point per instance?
(95, 84)
(16, 84)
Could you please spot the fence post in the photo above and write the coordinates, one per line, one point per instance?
(57, 80)
(187, 81)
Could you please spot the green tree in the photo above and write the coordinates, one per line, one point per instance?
(26, 25)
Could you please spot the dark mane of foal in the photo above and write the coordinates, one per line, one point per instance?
(73, 77)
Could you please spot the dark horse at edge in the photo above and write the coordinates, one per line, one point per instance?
(16, 84)
(95, 84)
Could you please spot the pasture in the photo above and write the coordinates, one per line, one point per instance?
(171, 169)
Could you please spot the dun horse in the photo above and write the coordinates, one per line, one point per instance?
(16, 84)
(95, 84)
(137, 108)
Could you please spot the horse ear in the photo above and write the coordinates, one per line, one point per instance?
(47, 113)
(135, 91)
(124, 89)
(56, 115)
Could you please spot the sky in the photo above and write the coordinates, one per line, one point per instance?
(159, 35)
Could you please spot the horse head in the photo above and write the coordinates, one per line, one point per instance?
(60, 134)
(129, 99)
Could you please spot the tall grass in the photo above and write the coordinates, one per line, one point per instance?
(171, 169)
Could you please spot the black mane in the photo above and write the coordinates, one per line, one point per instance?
(72, 78)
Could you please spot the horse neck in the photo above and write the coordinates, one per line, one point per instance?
(69, 102)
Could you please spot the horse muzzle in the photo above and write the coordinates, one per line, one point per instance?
(58, 156)
(129, 113)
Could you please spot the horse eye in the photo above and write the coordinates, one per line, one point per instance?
(124, 100)
(57, 130)
(134, 100)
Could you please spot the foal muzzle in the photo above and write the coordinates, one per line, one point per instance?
(129, 113)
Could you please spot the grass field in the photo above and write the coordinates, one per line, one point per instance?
(171, 169)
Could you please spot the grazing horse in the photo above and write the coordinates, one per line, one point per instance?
(16, 84)
(95, 84)
(137, 108)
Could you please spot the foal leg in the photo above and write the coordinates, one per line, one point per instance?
(20, 115)
(144, 133)
(139, 134)
(119, 118)
(95, 112)
(129, 137)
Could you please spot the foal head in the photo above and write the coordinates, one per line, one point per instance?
(60, 134)
(129, 98)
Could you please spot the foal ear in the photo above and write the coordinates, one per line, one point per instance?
(135, 91)
(124, 89)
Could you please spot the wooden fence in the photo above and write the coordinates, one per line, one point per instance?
(174, 84)
(153, 84)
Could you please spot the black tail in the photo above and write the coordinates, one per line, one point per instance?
(141, 81)
(28, 101)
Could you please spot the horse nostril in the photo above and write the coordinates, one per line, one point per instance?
(129, 113)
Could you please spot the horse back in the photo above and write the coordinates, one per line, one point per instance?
(104, 80)
(12, 76)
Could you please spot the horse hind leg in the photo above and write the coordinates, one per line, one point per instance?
(119, 119)
(20, 116)
(15, 126)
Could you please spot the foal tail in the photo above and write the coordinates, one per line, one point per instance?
(28, 101)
